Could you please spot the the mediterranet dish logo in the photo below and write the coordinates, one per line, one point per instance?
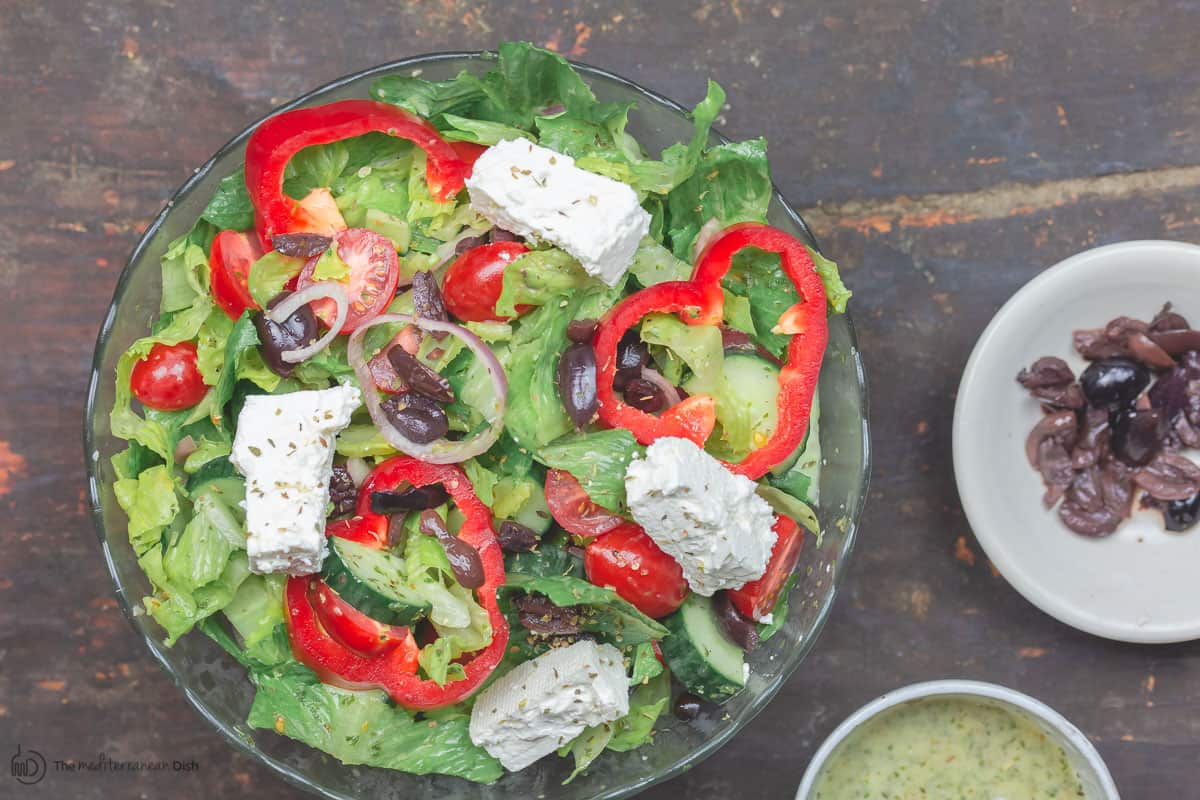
(28, 766)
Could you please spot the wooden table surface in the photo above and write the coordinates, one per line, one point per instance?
(945, 153)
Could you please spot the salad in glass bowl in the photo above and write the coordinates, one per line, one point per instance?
(474, 432)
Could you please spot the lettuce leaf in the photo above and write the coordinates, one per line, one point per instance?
(150, 502)
(363, 727)
(731, 183)
(597, 460)
(230, 208)
(538, 278)
(604, 613)
(646, 705)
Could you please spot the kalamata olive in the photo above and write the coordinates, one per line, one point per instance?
(1137, 436)
(645, 395)
(741, 631)
(414, 498)
(687, 707)
(1147, 351)
(544, 618)
(632, 352)
(1168, 320)
(342, 491)
(1052, 381)
(515, 537)
(274, 339)
(427, 300)
(396, 532)
(300, 245)
(501, 235)
(581, 330)
(1062, 426)
(464, 559)
(577, 383)
(418, 377)
(1170, 476)
(1177, 342)
(469, 243)
(417, 417)
(1096, 524)
(1114, 382)
(1179, 515)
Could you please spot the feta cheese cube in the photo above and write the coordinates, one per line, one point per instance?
(545, 703)
(705, 517)
(538, 193)
(284, 447)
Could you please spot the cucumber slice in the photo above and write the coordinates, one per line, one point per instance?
(216, 469)
(747, 404)
(700, 654)
(533, 512)
(373, 581)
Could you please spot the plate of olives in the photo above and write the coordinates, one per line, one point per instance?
(1081, 477)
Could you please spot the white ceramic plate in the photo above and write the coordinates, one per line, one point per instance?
(1142, 584)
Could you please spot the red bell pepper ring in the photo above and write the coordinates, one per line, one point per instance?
(395, 668)
(700, 301)
(277, 139)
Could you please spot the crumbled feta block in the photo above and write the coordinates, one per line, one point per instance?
(545, 703)
(704, 516)
(538, 193)
(284, 447)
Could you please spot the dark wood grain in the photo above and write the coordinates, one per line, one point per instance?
(946, 152)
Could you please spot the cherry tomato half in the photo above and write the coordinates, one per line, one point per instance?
(627, 560)
(229, 270)
(374, 273)
(168, 378)
(476, 278)
(573, 509)
(318, 212)
(756, 599)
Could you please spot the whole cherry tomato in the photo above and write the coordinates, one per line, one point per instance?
(627, 560)
(168, 378)
(476, 279)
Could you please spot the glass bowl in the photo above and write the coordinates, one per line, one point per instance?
(218, 688)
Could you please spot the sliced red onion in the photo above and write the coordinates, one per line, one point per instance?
(670, 393)
(358, 469)
(297, 300)
(708, 231)
(441, 451)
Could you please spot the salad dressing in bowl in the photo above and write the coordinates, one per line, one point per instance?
(948, 747)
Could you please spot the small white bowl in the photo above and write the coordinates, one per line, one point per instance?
(1093, 774)
(1140, 584)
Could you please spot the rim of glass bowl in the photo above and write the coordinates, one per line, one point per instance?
(297, 778)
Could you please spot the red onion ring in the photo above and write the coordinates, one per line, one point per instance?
(670, 393)
(708, 231)
(297, 300)
(442, 451)
(358, 470)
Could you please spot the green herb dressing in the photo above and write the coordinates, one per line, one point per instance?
(948, 749)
